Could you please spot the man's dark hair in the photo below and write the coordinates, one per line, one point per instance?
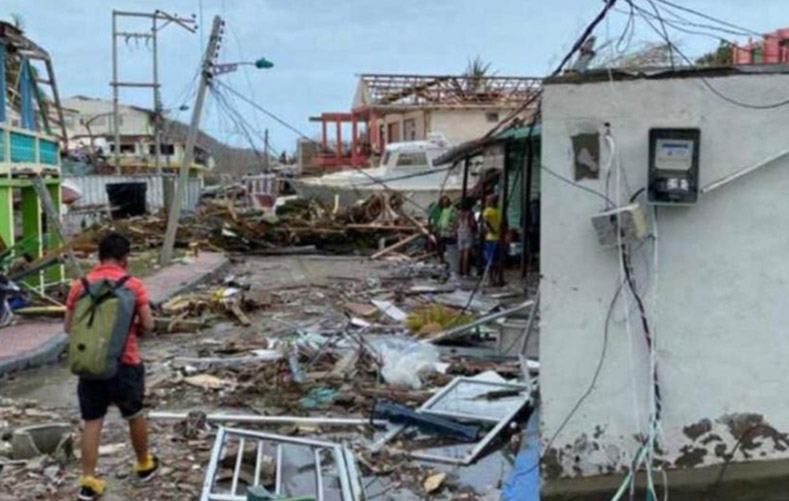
(114, 246)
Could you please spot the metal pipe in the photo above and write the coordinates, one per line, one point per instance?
(318, 475)
(526, 250)
(389, 436)
(115, 108)
(251, 418)
(280, 438)
(353, 475)
(157, 106)
(237, 470)
(459, 331)
(133, 84)
(462, 416)
(747, 170)
(157, 14)
(258, 463)
(213, 464)
(342, 473)
(278, 481)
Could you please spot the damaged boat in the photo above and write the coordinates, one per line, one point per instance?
(407, 168)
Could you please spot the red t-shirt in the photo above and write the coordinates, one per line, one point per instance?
(131, 354)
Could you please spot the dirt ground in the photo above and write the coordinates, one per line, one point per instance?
(305, 292)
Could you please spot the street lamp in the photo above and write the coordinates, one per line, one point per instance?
(261, 64)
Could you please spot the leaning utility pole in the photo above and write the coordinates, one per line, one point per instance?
(265, 152)
(186, 23)
(206, 74)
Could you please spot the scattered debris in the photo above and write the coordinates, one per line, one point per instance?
(311, 358)
(206, 382)
(433, 482)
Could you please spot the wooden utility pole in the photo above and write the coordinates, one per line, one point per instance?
(265, 151)
(207, 73)
(185, 22)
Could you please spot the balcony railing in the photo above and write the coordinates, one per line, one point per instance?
(25, 151)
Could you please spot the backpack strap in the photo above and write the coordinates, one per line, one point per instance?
(86, 286)
(121, 282)
(96, 301)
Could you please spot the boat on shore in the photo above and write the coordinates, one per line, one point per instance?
(407, 168)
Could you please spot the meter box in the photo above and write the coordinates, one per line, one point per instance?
(673, 177)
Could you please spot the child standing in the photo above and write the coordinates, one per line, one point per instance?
(465, 236)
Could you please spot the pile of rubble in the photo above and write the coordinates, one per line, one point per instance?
(300, 225)
(344, 387)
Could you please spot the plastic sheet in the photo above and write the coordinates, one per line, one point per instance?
(405, 361)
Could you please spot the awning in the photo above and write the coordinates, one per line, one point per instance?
(475, 146)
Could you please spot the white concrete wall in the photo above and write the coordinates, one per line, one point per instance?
(133, 121)
(459, 126)
(723, 297)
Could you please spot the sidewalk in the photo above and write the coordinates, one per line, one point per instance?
(33, 343)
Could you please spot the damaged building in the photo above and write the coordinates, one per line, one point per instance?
(663, 294)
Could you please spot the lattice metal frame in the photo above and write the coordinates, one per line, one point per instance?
(447, 90)
(347, 472)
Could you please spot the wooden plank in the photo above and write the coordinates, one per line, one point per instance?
(55, 224)
(395, 246)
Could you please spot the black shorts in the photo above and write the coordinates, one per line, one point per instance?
(125, 390)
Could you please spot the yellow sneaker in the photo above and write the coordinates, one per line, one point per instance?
(90, 488)
(147, 469)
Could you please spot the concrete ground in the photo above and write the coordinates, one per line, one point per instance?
(32, 343)
(313, 280)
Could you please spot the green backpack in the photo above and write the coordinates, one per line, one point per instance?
(102, 318)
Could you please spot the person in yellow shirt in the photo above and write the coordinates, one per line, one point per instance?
(491, 218)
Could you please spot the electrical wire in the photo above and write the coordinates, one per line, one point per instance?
(709, 18)
(680, 25)
(265, 111)
(665, 31)
(592, 383)
(609, 4)
(589, 29)
(576, 185)
(629, 31)
(705, 81)
(239, 121)
(361, 171)
(677, 19)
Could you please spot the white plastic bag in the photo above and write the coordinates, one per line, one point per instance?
(405, 361)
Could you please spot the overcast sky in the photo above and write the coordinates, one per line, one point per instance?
(318, 46)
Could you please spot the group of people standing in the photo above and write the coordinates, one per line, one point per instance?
(465, 234)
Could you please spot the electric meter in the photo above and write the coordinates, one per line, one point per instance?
(673, 166)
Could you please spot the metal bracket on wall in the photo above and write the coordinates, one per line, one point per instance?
(340, 457)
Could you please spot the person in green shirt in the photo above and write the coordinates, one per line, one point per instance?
(444, 228)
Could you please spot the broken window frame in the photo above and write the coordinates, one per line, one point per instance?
(347, 472)
(480, 446)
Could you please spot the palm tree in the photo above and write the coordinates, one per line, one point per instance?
(18, 21)
(476, 72)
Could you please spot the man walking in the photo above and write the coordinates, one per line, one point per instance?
(126, 387)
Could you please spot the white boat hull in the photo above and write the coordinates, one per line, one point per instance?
(406, 168)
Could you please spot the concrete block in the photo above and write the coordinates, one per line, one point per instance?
(52, 439)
